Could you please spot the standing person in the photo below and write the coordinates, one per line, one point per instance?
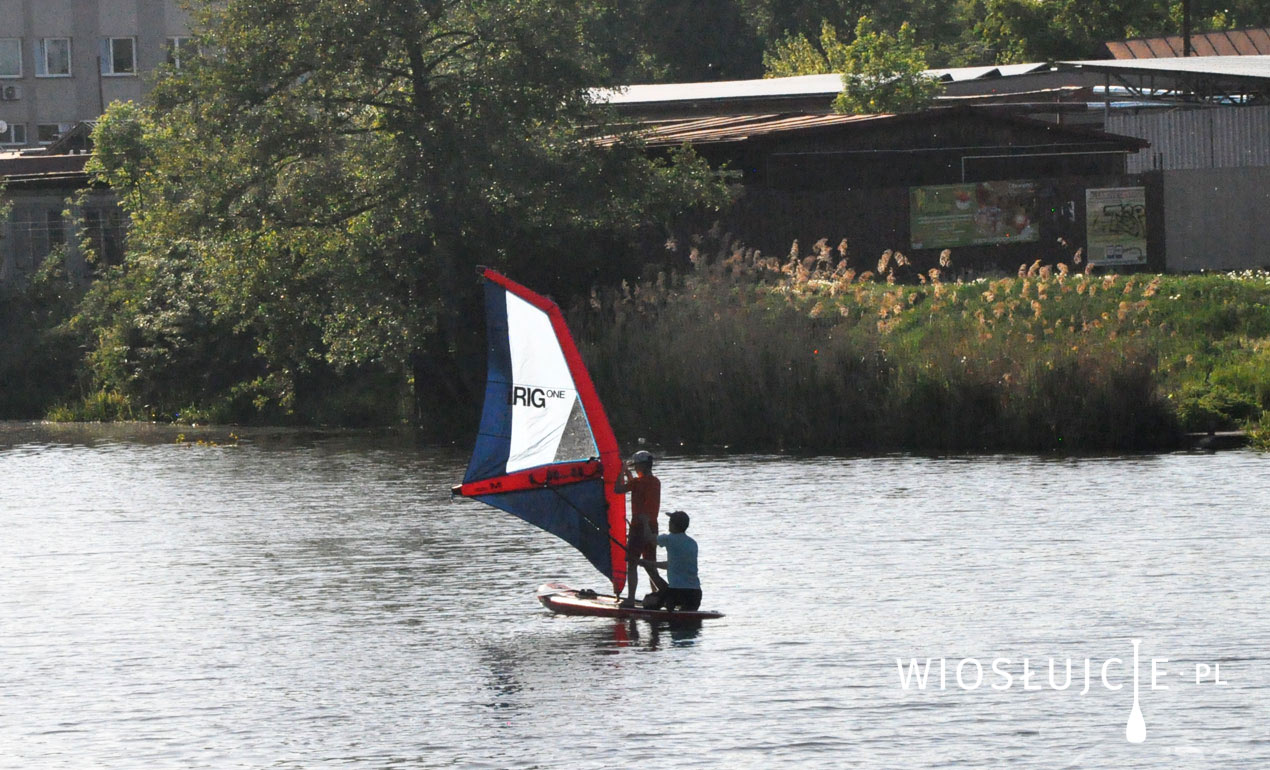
(641, 542)
(684, 591)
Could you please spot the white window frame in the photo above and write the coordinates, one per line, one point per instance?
(62, 128)
(42, 58)
(176, 45)
(17, 43)
(108, 57)
(10, 139)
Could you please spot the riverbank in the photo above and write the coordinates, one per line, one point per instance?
(807, 353)
(810, 352)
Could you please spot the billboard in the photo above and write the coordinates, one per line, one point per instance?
(971, 214)
(1116, 225)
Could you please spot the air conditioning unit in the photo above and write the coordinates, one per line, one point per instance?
(10, 93)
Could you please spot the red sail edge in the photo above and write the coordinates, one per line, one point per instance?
(605, 440)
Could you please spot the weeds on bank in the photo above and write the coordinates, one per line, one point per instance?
(825, 350)
(99, 406)
(230, 441)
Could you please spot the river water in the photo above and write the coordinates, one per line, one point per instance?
(306, 600)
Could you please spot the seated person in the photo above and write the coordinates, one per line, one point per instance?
(683, 589)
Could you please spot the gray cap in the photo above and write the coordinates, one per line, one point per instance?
(642, 457)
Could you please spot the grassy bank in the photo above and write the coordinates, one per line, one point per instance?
(818, 352)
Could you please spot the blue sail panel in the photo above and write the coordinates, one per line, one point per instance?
(493, 439)
(575, 513)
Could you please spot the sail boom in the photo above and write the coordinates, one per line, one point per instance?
(541, 477)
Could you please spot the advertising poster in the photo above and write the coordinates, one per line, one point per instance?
(1116, 225)
(972, 214)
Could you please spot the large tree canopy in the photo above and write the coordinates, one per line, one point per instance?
(317, 184)
(1046, 30)
(978, 32)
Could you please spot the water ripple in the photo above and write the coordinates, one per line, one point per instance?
(312, 600)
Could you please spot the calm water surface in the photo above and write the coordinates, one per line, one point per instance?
(317, 601)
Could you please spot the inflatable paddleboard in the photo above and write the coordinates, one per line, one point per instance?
(566, 600)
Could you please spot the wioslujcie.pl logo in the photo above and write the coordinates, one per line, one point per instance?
(1111, 673)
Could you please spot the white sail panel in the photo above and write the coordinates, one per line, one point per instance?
(543, 394)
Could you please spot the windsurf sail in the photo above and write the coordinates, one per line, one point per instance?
(545, 450)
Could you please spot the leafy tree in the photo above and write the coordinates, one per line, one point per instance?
(881, 72)
(798, 55)
(1029, 30)
(1036, 30)
(885, 73)
(661, 41)
(973, 32)
(307, 199)
(946, 27)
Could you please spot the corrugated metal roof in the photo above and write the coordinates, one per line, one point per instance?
(801, 85)
(1251, 67)
(796, 86)
(20, 164)
(1234, 42)
(741, 128)
(959, 74)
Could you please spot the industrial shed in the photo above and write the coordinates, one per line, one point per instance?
(998, 189)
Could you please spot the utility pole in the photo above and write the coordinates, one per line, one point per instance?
(1186, 28)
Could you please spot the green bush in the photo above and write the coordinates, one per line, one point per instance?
(1215, 407)
(100, 406)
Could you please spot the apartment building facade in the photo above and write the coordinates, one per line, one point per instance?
(63, 61)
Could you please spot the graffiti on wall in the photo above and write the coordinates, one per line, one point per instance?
(1116, 225)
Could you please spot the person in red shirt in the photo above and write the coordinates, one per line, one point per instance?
(641, 542)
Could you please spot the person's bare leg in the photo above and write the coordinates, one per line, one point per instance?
(632, 579)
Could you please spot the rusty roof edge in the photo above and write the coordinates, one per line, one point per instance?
(690, 131)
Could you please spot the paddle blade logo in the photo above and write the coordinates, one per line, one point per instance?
(1136, 729)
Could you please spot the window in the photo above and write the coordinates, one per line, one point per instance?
(103, 234)
(179, 50)
(56, 229)
(119, 56)
(10, 57)
(22, 246)
(15, 133)
(47, 133)
(53, 57)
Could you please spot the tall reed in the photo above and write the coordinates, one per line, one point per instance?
(818, 350)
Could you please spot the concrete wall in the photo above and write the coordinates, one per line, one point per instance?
(82, 95)
(1217, 219)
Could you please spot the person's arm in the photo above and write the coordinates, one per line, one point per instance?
(623, 483)
(651, 563)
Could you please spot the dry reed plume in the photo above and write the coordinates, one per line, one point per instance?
(827, 350)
